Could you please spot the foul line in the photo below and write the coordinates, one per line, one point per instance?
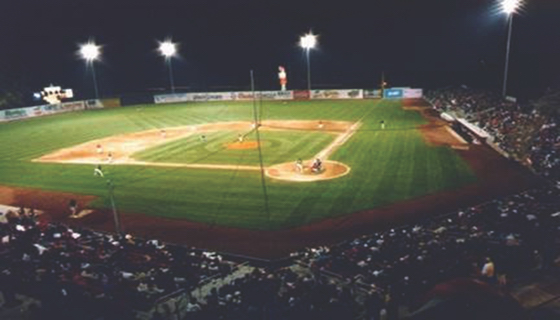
(340, 140)
(194, 165)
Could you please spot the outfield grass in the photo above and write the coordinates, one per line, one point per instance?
(277, 147)
(388, 165)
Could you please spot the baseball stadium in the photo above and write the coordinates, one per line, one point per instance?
(195, 161)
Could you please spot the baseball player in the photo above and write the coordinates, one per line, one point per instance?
(382, 124)
(163, 133)
(320, 125)
(203, 138)
(299, 165)
(98, 171)
(240, 138)
(317, 166)
(99, 149)
(110, 157)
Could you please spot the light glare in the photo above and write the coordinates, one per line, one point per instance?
(308, 41)
(89, 51)
(167, 49)
(510, 6)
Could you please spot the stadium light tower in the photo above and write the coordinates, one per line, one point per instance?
(168, 50)
(308, 42)
(509, 7)
(91, 52)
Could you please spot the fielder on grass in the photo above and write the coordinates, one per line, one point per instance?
(98, 171)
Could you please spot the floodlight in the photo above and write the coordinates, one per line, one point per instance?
(510, 6)
(308, 41)
(89, 51)
(167, 49)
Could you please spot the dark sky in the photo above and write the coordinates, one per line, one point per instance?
(420, 43)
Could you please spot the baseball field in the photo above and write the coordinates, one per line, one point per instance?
(199, 163)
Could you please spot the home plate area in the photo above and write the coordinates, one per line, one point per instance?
(291, 172)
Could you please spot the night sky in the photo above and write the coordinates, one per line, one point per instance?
(419, 43)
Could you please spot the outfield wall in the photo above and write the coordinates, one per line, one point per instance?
(47, 109)
(334, 94)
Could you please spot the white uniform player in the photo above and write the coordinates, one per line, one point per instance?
(299, 165)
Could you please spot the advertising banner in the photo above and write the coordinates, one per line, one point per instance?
(301, 95)
(94, 104)
(73, 106)
(36, 111)
(266, 95)
(111, 103)
(211, 96)
(410, 93)
(276, 95)
(337, 94)
(42, 110)
(393, 93)
(15, 114)
(244, 96)
(170, 98)
(52, 108)
(372, 94)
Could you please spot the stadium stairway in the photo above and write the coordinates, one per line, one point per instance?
(540, 296)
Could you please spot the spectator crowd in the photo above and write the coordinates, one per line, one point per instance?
(528, 132)
(75, 272)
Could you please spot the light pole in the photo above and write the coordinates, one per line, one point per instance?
(90, 52)
(168, 49)
(509, 7)
(308, 42)
(116, 218)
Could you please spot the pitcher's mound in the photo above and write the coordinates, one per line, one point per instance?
(289, 172)
(243, 145)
